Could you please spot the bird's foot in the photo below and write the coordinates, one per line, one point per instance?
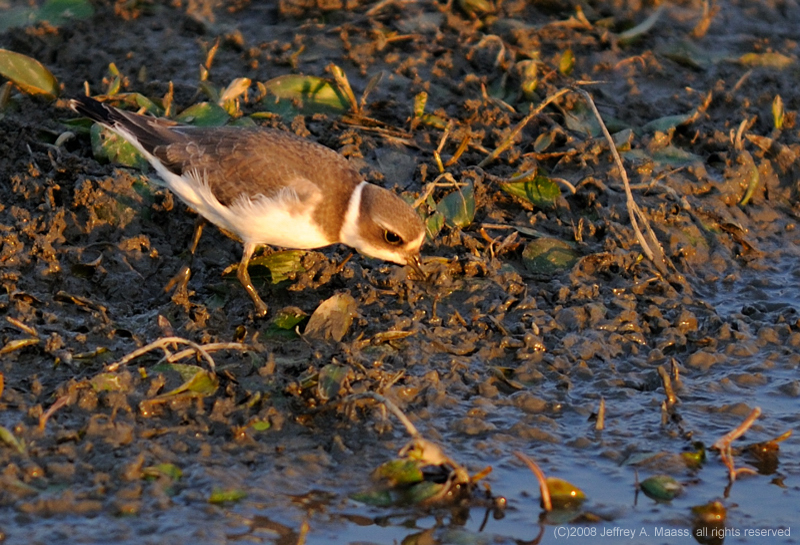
(180, 281)
(261, 308)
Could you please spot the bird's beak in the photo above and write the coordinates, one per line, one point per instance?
(415, 263)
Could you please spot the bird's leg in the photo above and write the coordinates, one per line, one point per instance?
(244, 278)
(198, 230)
(182, 278)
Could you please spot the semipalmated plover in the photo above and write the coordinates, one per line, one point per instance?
(267, 186)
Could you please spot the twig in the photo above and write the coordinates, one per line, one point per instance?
(509, 140)
(385, 3)
(162, 343)
(301, 536)
(60, 402)
(18, 344)
(709, 11)
(418, 448)
(600, 423)
(676, 374)
(651, 248)
(667, 381)
(723, 444)
(213, 347)
(429, 188)
(25, 328)
(565, 183)
(547, 503)
(394, 409)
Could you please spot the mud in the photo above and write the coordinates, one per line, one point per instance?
(487, 356)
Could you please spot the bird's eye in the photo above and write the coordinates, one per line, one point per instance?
(392, 238)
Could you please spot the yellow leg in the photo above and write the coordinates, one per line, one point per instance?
(198, 230)
(181, 280)
(244, 278)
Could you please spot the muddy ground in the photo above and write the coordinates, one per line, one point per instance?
(490, 355)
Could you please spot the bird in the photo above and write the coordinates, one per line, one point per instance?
(268, 187)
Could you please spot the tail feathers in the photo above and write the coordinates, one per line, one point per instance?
(143, 131)
(94, 110)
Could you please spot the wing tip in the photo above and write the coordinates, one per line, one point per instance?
(93, 109)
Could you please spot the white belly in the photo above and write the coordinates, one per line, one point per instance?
(279, 221)
(282, 220)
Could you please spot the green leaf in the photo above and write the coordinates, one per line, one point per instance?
(687, 53)
(282, 265)
(539, 191)
(664, 124)
(458, 207)
(28, 74)
(204, 114)
(55, 12)
(432, 120)
(17, 17)
(661, 487)
(529, 78)
(377, 498)
(623, 139)
(202, 383)
(140, 101)
(544, 141)
(80, 125)
(166, 469)
(710, 513)
(766, 60)
(580, 118)
(674, 156)
(420, 100)
(219, 495)
(421, 492)
(235, 89)
(642, 28)
(101, 352)
(330, 381)
(184, 370)
(288, 318)
(283, 325)
(564, 494)
(58, 12)
(695, 459)
(549, 256)
(433, 225)
(292, 94)
(641, 458)
(567, 62)
(109, 146)
(9, 439)
(261, 425)
(778, 112)
(332, 318)
(399, 473)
